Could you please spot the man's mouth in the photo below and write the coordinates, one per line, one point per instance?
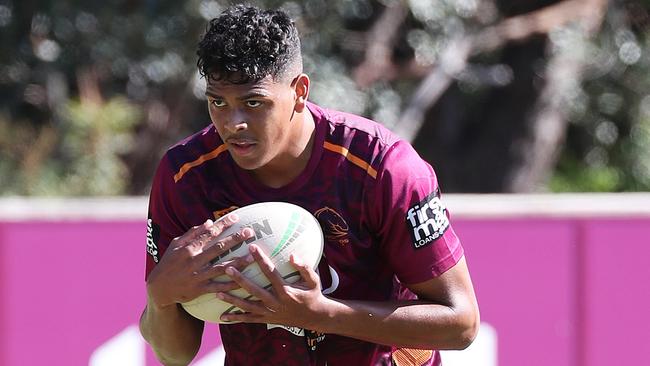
(241, 146)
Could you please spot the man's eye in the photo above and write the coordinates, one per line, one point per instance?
(253, 103)
(218, 103)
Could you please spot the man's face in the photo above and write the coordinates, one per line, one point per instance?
(254, 120)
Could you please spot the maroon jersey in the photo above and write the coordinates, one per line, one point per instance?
(378, 204)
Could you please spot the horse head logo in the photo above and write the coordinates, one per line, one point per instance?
(334, 226)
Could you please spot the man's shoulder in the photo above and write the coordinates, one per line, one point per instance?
(358, 135)
(345, 123)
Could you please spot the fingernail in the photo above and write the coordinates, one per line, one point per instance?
(247, 232)
(220, 296)
(225, 318)
(252, 249)
(233, 217)
(250, 259)
(230, 271)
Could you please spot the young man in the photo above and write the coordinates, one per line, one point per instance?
(393, 285)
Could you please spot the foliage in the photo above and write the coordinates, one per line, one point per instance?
(78, 156)
(80, 82)
(608, 142)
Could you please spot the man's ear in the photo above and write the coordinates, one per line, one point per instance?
(301, 88)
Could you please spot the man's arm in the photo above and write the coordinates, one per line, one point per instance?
(185, 272)
(174, 335)
(445, 317)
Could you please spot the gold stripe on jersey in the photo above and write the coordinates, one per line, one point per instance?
(217, 214)
(411, 356)
(202, 159)
(351, 158)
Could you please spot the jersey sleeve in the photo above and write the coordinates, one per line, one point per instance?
(163, 224)
(410, 219)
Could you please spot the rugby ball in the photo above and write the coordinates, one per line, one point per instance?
(280, 229)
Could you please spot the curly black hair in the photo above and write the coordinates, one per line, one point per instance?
(247, 44)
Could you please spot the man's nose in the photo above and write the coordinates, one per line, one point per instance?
(237, 121)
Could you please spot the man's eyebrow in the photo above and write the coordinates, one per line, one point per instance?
(254, 94)
(243, 97)
(211, 94)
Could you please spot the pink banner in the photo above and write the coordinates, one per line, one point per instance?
(557, 291)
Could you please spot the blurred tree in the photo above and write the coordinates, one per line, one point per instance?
(488, 90)
(607, 148)
(59, 57)
(80, 158)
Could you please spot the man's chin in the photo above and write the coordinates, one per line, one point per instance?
(246, 163)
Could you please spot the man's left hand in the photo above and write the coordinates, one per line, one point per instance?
(298, 304)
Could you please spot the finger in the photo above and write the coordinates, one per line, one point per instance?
(224, 223)
(224, 246)
(205, 232)
(211, 232)
(192, 234)
(240, 262)
(218, 269)
(243, 318)
(267, 267)
(219, 286)
(248, 304)
(309, 276)
(252, 288)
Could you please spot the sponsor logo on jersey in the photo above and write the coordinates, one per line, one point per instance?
(427, 220)
(153, 234)
(312, 338)
(334, 226)
(329, 278)
(297, 331)
(334, 281)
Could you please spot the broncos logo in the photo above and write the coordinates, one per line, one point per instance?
(334, 226)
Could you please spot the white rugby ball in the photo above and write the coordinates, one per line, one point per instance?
(281, 229)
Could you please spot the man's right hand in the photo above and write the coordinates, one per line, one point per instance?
(186, 271)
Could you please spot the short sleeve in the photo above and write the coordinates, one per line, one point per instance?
(162, 222)
(409, 218)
